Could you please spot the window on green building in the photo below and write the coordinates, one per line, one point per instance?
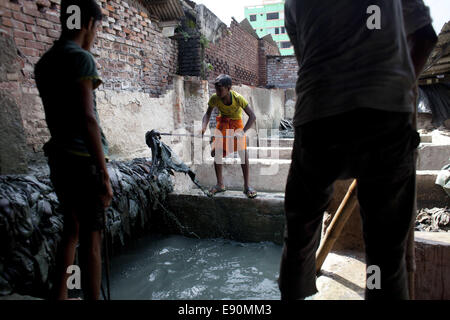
(277, 30)
(253, 17)
(285, 44)
(273, 16)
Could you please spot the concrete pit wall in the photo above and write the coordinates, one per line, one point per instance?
(127, 116)
(268, 105)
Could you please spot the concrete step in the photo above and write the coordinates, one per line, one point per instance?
(433, 156)
(289, 142)
(275, 142)
(426, 138)
(270, 176)
(270, 152)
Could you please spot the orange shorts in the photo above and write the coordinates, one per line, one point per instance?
(227, 127)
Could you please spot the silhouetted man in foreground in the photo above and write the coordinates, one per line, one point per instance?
(353, 119)
(66, 77)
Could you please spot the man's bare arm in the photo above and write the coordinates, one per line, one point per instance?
(206, 118)
(251, 118)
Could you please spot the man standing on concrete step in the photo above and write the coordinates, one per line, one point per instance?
(353, 119)
(66, 77)
(229, 123)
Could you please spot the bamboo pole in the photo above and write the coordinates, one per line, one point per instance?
(337, 224)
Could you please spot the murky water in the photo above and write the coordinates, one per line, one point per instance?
(175, 267)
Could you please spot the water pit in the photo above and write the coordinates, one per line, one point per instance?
(175, 267)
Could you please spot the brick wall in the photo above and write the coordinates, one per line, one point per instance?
(130, 50)
(189, 57)
(236, 54)
(241, 55)
(189, 46)
(265, 49)
(282, 71)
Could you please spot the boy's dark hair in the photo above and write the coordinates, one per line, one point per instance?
(88, 8)
(223, 80)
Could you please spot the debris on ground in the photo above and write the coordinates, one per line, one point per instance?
(286, 129)
(433, 220)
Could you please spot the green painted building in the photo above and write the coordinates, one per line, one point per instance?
(268, 18)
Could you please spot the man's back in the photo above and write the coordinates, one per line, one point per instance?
(57, 74)
(344, 65)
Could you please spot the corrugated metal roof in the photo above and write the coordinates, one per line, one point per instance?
(439, 61)
(165, 10)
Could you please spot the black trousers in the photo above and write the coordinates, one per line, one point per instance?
(78, 185)
(375, 147)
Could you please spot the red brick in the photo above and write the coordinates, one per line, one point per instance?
(36, 29)
(31, 11)
(35, 45)
(7, 31)
(22, 17)
(53, 33)
(44, 39)
(23, 35)
(31, 52)
(7, 22)
(43, 3)
(106, 44)
(108, 30)
(44, 23)
(18, 25)
(10, 5)
(53, 17)
(5, 13)
(19, 42)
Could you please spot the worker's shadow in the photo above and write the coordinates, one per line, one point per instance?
(352, 286)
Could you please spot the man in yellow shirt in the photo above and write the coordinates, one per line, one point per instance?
(229, 123)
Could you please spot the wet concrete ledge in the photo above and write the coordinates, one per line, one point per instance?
(230, 215)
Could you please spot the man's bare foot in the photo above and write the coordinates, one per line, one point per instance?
(217, 189)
